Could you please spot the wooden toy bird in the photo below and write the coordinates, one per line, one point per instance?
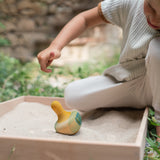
(68, 122)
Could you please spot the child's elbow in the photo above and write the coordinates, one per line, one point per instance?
(82, 19)
(91, 17)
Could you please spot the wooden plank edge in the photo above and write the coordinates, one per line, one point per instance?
(68, 141)
(6, 106)
(141, 136)
(18, 99)
(45, 100)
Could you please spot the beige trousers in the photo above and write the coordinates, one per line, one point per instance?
(104, 91)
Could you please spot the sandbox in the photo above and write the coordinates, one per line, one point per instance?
(27, 132)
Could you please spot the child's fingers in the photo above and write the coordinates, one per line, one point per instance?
(44, 68)
(43, 64)
(49, 62)
(45, 60)
(51, 58)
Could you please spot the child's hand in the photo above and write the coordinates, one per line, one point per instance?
(46, 57)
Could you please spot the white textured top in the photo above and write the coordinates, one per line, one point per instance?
(137, 34)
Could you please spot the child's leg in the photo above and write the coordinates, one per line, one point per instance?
(153, 74)
(102, 91)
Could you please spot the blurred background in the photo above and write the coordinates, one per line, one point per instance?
(29, 26)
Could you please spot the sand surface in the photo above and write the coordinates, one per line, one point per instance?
(37, 120)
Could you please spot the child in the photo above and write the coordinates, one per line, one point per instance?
(135, 80)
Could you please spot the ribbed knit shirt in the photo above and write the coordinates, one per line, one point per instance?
(137, 34)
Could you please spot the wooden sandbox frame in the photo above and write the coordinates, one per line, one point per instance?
(24, 148)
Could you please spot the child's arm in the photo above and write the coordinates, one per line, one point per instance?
(70, 31)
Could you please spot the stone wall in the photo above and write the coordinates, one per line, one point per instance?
(32, 24)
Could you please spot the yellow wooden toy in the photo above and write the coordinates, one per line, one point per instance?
(68, 122)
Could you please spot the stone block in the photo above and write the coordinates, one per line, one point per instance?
(26, 24)
(52, 9)
(31, 38)
(10, 27)
(22, 53)
(29, 8)
(13, 39)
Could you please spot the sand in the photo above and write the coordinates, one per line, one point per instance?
(37, 120)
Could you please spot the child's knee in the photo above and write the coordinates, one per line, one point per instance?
(72, 96)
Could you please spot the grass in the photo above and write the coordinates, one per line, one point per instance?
(16, 80)
(152, 151)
